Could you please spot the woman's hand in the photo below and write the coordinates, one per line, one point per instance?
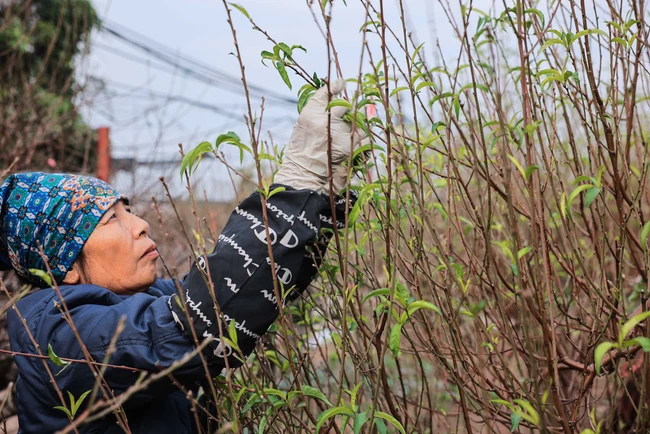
(305, 161)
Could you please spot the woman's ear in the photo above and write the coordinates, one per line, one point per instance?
(72, 277)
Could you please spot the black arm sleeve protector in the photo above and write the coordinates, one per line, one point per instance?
(240, 268)
(315, 251)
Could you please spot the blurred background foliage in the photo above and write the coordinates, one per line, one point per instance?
(40, 44)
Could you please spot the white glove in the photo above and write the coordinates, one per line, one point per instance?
(304, 165)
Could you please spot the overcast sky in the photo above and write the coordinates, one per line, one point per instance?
(148, 127)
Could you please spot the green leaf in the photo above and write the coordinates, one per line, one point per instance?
(591, 194)
(254, 399)
(304, 98)
(339, 102)
(552, 41)
(474, 86)
(515, 270)
(275, 392)
(425, 84)
(576, 191)
(582, 33)
(644, 235)
(421, 304)
(314, 393)
(72, 404)
(330, 413)
(359, 420)
(503, 402)
(192, 159)
(391, 419)
(286, 49)
(395, 338)
(643, 342)
(54, 358)
(583, 178)
(599, 178)
(523, 252)
(65, 410)
(563, 204)
(530, 128)
(75, 405)
(531, 414)
(240, 9)
(415, 53)
(229, 137)
(232, 332)
(365, 149)
(353, 395)
(630, 324)
(42, 275)
(537, 12)
(515, 419)
(599, 353)
(276, 190)
(439, 97)
(260, 429)
(505, 249)
(376, 293)
(516, 163)
(381, 426)
(283, 73)
(436, 125)
(242, 148)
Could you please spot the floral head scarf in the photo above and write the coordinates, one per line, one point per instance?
(57, 212)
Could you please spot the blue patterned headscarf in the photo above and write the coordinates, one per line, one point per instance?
(55, 211)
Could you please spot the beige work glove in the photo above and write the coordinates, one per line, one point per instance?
(304, 165)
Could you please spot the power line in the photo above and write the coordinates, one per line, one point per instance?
(183, 100)
(192, 67)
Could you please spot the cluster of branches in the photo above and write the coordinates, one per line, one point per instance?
(40, 46)
(496, 269)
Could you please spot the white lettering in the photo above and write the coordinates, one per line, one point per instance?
(329, 220)
(290, 239)
(270, 296)
(284, 274)
(248, 261)
(231, 285)
(202, 264)
(219, 350)
(307, 223)
(195, 307)
(241, 327)
(279, 213)
(261, 234)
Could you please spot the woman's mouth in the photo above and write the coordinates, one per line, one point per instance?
(151, 252)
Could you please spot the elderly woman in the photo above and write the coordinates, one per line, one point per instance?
(108, 306)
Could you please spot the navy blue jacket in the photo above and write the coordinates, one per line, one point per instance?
(159, 322)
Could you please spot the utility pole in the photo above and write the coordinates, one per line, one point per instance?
(103, 154)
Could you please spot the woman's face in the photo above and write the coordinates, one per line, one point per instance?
(119, 255)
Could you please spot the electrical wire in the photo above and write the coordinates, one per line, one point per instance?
(190, 67)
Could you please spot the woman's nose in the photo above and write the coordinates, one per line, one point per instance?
(140, 227)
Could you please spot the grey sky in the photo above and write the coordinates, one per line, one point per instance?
(150, 128)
